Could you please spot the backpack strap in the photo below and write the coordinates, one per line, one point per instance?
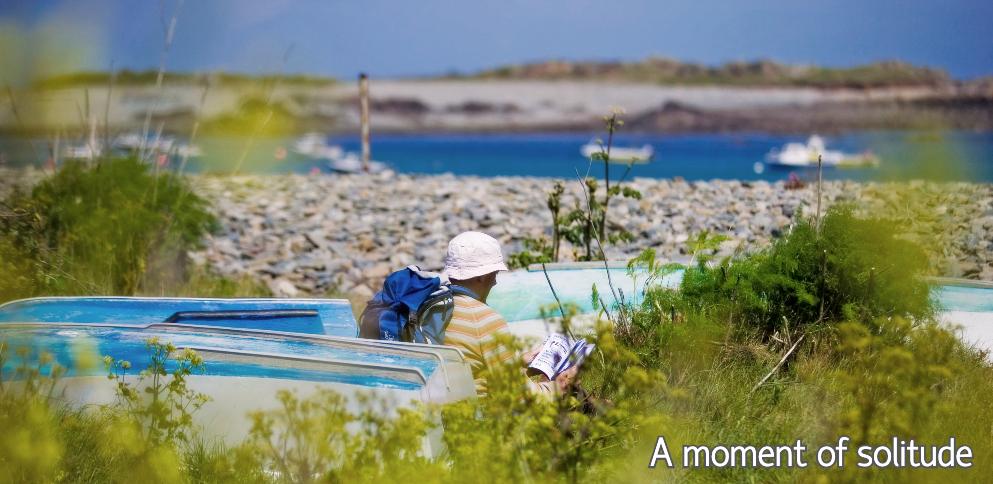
(432, 318)
(434, 315)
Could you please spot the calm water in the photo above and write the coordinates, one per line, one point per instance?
(962, 156)
(520, 295)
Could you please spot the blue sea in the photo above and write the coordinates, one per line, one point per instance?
(957, 155)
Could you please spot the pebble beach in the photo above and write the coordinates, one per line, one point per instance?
(334, 234)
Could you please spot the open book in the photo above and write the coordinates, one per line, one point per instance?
(558, 353)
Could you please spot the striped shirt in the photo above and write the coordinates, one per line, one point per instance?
(474, 328)
(477, 329)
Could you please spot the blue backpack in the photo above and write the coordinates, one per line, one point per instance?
(414, 306)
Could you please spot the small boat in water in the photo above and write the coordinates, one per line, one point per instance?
(315, 145)
(83, 152)
(89, 150)
(621, 154)
(184, 150)
(352, 164)
(135, 142)
(799, 155)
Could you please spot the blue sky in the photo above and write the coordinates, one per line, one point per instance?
(423, 37)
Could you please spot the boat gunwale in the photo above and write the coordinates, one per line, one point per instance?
(179, 298)
(960, 282)
(397, 347)
(208, 350)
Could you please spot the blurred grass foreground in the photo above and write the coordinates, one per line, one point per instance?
(831, 330)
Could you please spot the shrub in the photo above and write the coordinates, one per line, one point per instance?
(93, 230)
(852, 268)
(536, 251)
(320, 438)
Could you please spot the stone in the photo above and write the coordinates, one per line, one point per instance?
(283, 288)
(379, 271)
(361, 293)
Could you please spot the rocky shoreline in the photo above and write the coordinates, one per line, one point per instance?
(312, 235)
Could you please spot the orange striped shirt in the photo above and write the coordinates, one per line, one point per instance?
(474, 328)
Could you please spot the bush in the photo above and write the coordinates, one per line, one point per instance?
(94, 230)
(853, 268)
(820, 335)
(535, 251)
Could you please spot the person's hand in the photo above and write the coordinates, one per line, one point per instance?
(528, 356)
(566, 377)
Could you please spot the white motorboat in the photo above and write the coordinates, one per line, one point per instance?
(307, 143)
(352, 164)
(135, 142)
(90, 150)
(621, 154)
(806, 154)
(83, 152)
(184, 150)
(314, 145)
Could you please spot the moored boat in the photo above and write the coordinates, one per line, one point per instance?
(799, 155)
(352, 164)
(315, 145)
(619, 154)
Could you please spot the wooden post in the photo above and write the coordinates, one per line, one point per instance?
(364, 109)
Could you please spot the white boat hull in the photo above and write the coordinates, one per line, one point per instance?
(620, 154)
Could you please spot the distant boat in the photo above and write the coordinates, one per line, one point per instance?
(83, 152)
(135, 142)
(90, 150)
(352, 164)
(188, 151)
(805, 155)
(314, 145)
(620, 154)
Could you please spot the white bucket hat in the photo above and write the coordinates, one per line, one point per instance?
(473, 254)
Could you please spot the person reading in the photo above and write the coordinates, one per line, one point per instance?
(471, 265)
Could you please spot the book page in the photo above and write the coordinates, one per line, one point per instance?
(553, 352)
(577, 353)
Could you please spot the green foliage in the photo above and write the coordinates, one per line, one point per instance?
(653, 269)
(199, 281)
(854, 268)
(320, 438)
(754, 73)
(928, 214)
(512, 434)
(94, 229)
(45, 440)
(589, 222)
(872, 364)
(160, 401)
(29, 446)
(536, 251)
(148, 77)
(257, 115)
